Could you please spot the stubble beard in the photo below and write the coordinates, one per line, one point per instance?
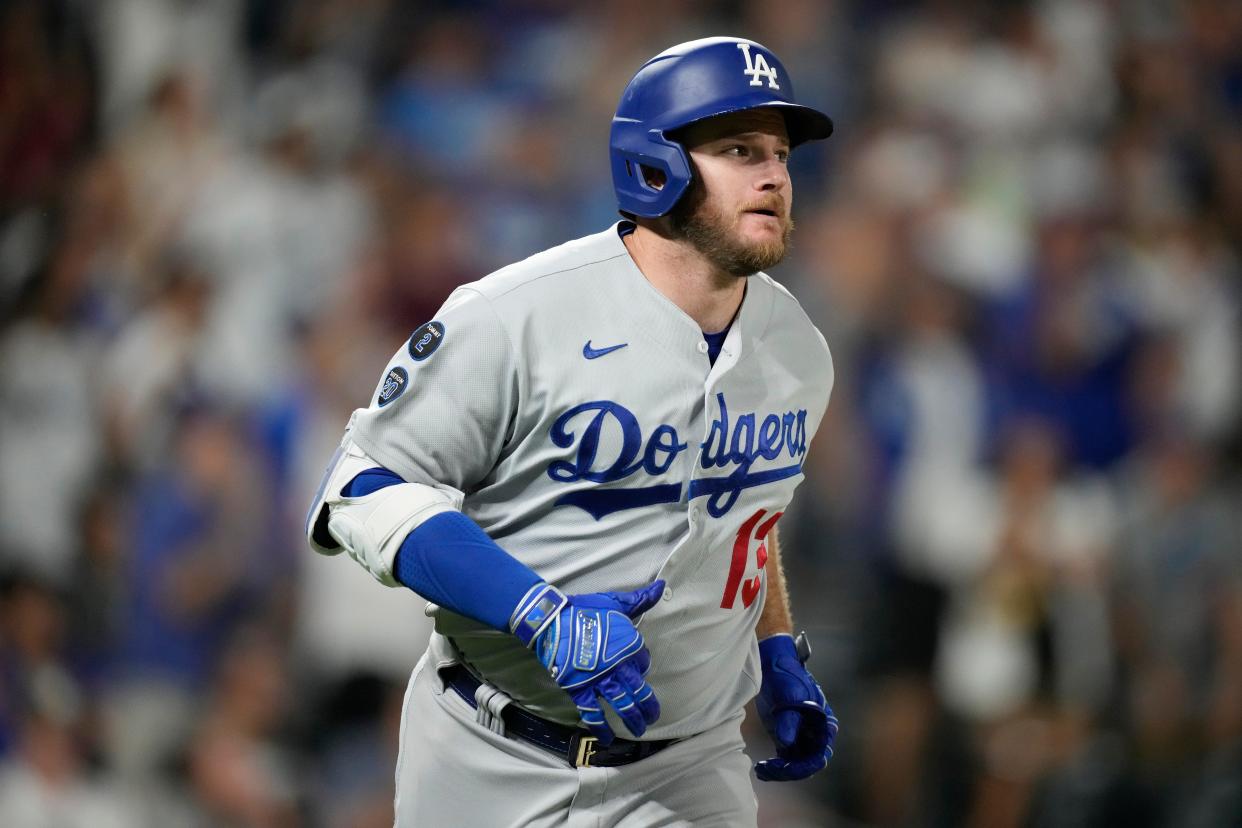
(713, 234)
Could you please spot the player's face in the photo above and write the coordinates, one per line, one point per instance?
(737, 211)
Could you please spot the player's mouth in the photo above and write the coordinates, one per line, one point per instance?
(769, 217)
(769, 209)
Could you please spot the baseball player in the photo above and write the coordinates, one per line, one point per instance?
(580, 463)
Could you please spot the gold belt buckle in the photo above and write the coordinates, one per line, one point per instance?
(586, 749)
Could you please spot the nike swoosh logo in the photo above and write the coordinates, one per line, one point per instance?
(596, 353)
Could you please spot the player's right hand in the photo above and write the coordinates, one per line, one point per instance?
(795, 713)
(591, 648)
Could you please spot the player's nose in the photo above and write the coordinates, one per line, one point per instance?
(772, 175)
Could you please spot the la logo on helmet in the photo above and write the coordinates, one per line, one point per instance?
(758, 67)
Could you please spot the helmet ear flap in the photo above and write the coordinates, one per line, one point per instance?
(640, 159)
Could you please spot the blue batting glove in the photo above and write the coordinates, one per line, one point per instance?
(590, 647)
(794, 712)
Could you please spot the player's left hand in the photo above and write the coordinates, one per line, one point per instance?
(794, 712)
(592, 649)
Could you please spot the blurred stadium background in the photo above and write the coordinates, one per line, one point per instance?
(1017, 549)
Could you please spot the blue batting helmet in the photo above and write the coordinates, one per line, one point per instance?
(684, 84)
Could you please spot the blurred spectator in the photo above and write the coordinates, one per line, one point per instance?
(1178, 601)
(1028, 619)
(153, 365)
(356, 730)
(46, 99)
(1060, 347)
(140, 41)
(1185, 285)
(50, 440)
(33, 668)
(239, 773)
(47, 784)
(97, 594)
(201, 565)
(443, 110)
(165, 158)
(45, 735)
(308, 123)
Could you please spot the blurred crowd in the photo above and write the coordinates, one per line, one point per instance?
(1019, 546)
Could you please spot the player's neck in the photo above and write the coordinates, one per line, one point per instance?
(707, 294)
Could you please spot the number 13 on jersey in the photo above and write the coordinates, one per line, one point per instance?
(754, 529)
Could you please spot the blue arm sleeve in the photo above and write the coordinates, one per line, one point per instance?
(449, 560)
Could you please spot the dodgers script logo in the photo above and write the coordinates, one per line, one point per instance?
(735, 444)
(758, 67)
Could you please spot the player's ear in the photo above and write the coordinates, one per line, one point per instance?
(656, 179)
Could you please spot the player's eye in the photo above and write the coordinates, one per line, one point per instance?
(782, 156)
(738, 150)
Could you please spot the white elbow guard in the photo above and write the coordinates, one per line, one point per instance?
(371, 528)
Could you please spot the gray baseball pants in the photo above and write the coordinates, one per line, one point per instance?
(453, 772)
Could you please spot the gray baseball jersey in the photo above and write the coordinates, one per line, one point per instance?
(574, 408)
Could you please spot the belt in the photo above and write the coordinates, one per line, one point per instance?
(575, 745)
